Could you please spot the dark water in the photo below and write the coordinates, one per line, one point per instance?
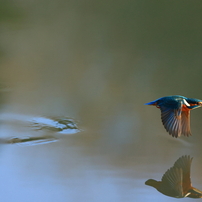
(74, 79)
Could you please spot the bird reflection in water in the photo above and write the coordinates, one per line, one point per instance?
(176, 181)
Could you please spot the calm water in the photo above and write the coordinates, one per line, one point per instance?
(74, 79)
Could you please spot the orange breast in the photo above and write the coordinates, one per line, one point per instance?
(184, 108)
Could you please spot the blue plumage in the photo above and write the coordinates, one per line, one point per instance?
(175, 113)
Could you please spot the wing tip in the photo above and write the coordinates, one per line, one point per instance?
(173, 134)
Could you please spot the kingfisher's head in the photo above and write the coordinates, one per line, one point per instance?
(152, 183)
(194, 103)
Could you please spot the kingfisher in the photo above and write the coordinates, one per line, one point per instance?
(175, 113)
(176, 181)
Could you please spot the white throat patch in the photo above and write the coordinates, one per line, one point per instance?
(186, 103)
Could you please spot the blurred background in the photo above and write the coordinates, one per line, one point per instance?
(94, 64)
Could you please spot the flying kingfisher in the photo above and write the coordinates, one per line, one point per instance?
(176, 181)
(175, 113)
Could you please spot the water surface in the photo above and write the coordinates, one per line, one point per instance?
(74, 79)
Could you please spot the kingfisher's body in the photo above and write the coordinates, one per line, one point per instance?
(176, 181)
(175, 113)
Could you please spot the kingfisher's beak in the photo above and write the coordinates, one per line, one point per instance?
(200, 103)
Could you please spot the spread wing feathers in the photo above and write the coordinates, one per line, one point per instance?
(184, 163)
(185, 122)
(172, 182)
(175, 121)
(171, 119)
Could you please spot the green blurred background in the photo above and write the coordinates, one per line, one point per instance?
(97, 62)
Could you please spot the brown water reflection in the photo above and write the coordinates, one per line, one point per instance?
(176, 182)
(97, 62)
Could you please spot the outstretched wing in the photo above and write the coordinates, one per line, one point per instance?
(172, 182)
(185, 123)
(171, 118)
(175, 114)
(184, 163)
